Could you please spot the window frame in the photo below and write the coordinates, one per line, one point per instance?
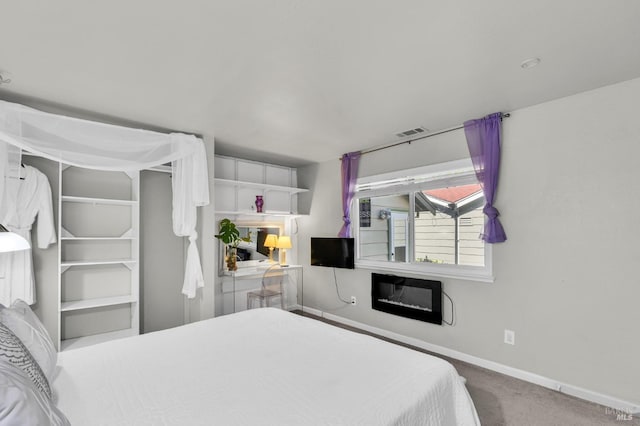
(452, 173)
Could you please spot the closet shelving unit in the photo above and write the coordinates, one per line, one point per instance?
(238, 182)
(98, 225)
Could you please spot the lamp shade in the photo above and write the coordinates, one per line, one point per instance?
(10, 241)
(271, 241)
(284, 242)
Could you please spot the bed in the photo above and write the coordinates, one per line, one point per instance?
(258, 367)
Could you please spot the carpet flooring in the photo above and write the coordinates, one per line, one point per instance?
(504, 400)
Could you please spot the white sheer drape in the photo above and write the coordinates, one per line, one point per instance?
(190, 190)
(102, 146)
(10, 159)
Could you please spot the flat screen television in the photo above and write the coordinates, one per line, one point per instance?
(333, 252)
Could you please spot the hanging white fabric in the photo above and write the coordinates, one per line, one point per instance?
(102, 146)
(190, 190)
(89, 144)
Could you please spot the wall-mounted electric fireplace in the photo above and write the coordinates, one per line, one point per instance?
(407, 297)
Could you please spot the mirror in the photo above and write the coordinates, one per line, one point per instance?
(253, 253)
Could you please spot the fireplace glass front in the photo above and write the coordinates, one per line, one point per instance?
(413, 298)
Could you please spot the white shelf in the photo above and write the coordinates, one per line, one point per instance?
(77, 305)
(257, 270)
(89, 200)
(80, 342)
(265, 186)
(97, 230)
(256, 214)
(97, 262)
(95, 238)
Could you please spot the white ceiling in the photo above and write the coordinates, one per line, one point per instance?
(308, 80)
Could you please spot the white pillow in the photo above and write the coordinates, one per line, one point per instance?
(21, 403)
(14, 352)
(24, 323)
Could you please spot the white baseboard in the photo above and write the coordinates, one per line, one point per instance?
(578, 392)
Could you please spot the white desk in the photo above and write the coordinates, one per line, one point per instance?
(250, 278)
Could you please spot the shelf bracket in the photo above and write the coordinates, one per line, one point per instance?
(132, 175)
(65, 233)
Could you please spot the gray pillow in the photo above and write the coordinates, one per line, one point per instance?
(26, 325)
(21, 403)
(13, 351)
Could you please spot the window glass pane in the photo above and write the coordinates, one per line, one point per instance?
(435, 238)
(471, 250)
(399, 230)
(448, 224)
(385, 236)
(427, 220)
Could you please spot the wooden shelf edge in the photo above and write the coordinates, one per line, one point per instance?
(78, 305)
(79, 342)
(90, 200)
(231, 182)
(255, 214)
(68, 263)
(96, 238)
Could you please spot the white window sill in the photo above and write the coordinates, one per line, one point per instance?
(469, 273)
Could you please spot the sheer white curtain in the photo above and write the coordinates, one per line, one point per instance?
(101, 146)
(10, 159)
(190, 186)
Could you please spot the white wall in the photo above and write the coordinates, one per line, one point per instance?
(162, 256)
(203, 306)
(566, 279)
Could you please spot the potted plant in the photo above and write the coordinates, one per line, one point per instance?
(230, 236)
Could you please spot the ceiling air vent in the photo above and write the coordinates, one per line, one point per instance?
(411, 132)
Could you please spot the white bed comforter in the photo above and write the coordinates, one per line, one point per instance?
(258, 367)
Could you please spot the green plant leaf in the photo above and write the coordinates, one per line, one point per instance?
(229, 234)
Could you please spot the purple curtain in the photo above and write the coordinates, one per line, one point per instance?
(483, 139)
(350, 163)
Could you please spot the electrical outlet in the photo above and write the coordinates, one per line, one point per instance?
(353, 300)
(509, 337)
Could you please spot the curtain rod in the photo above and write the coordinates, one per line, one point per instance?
(440, 132)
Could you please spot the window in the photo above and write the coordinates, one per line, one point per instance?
(425, 220)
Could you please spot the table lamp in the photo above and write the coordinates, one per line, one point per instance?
(284, 243)
(10, 241)
(271, 242)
